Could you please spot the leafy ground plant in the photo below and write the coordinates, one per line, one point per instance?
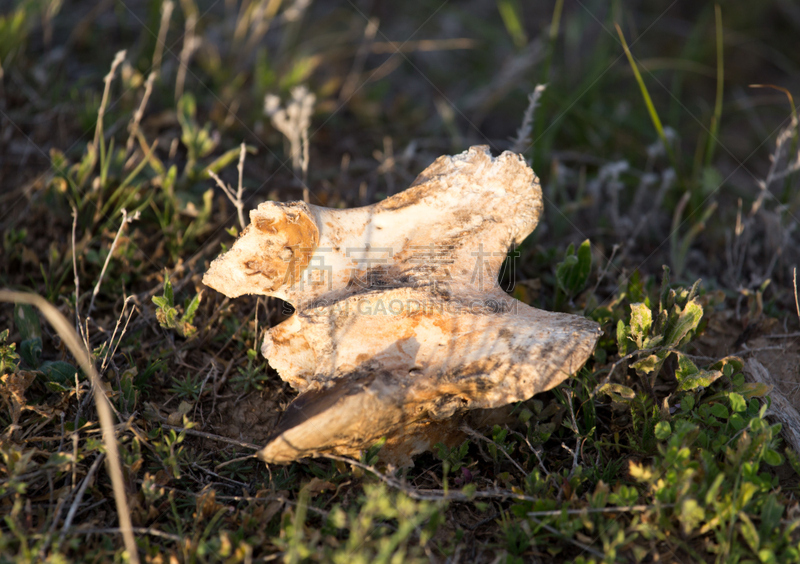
(651, 149)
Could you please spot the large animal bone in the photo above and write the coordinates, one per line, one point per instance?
(401, 328)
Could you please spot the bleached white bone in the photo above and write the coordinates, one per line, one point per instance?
(401, 328)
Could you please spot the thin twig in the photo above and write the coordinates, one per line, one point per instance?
(431, 494)
(474, 434)
(125, 220)
(190, 43)
(138, 530)
(109, 78)
(783, 336)
(564, 537)
(619, 509)
(76, 279)
(213, 437)
(533, 449)
(79, 496)
(522, 142)
(796, 301)
(240, 189)
(137, 117)
(236, 199)
(166, 14)
(759, 349)
(234, 460)
(110, 353)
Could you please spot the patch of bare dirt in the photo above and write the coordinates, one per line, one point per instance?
(250, 419)
(774, 343)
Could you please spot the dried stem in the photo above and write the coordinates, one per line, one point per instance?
(137, 117)
(236, 199)
(76, 279)
(562, 536)
(212, 437)
(125, 220)
(475, 435)
(190, 43)
(522, 142)
(109, 78)
(110, 353)
(294, 121)
(166, 14)
(79, 496)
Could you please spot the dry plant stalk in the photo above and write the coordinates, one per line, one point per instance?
(102, 403)
(293, 121)
(401, 328)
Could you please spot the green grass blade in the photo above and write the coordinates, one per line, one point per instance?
(555, 24)
(512, 18)
(648, 101)
(712, 137)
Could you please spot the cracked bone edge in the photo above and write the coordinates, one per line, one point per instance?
(414, 348)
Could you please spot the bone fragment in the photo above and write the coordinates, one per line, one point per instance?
(401, 329)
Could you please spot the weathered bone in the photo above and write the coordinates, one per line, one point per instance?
(401, 328)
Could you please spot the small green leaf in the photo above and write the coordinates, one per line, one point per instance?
(641, 322)
(187, 108)
(729, 365)
(663, 430)
(647, 364)
(27, 322)
(564, 268)
(371, 456)
(662, 301)
(687, 320)
(31, 351)
(755, 390)
(191, 308)
(584, 267)
(225, 159)
(690, 377)
(129, 394)
(469, 490)
(573, 273)
(720, 411)
(168, 292)
(737, 422)
(773, 458)
(59, 372)
(617, 392)
(685, 369)
(691, 515)
(737, 402)
(623, 335)
(749, 532)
